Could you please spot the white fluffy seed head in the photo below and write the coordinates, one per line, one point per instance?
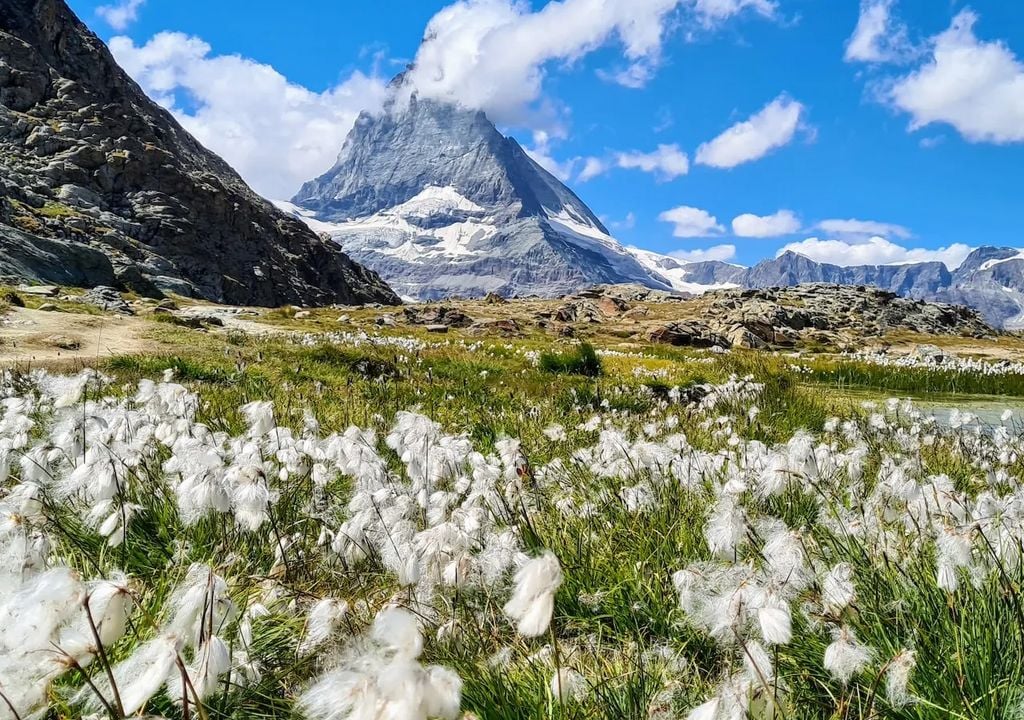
(837, 589)
(846, 656)
(568, 685)
(398, 630)
(533, 599)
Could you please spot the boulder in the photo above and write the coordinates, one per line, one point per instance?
(688, 334)
(109, 299)
(506, 326)
(579, 311)
(63, 342)
(39, 290)
(612, 306)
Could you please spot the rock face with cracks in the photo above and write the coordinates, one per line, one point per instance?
(100, 186)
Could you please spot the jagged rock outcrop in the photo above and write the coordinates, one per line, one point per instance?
(811, 314)
(101, 186)
(784, 316)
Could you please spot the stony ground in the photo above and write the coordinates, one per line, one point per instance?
(68, 325)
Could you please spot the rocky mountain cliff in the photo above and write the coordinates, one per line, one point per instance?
(99, 185)
(440, 203)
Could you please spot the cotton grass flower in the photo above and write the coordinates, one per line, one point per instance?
(846, 656)
(897, 678)
(380, 677)
(533, 599)
(837, 589)
(567, 685)
(322, 622)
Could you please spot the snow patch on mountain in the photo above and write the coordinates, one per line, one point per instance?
(674, 271)
(989, 264)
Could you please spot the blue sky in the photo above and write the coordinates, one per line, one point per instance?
(904, 115)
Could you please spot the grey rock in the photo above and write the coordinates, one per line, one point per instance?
(63, 342)
(786, 316)
(109, 299)
(688, 334)
(39, 290)
(95, 176)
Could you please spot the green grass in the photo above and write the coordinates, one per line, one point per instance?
(912, 381)
(583, 360)
(57, 210)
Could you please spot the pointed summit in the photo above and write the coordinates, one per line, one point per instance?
(440, 203)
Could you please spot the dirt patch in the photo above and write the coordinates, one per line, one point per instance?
(40, 336)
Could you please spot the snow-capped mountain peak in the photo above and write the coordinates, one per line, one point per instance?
(440, 203)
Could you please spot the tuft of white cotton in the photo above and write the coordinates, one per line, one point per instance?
(775, 621)
(379, 678)
(442, 697)
(757, 664)
(198, 604)
(259, 416)
(897, 678)
(726, 527)
(142, 674)
(398, 630)
(322, 622)
(846, 656)
(568, 685)
(707, 711)
(533, 600)
(212, 660)
(953, 553)
(837, 590)
(109, 604)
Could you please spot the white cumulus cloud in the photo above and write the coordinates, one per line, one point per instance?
(491, 54)
(722, 253)
(772, 127)
(876, 251)
(691, 222)
(784, 222)
(541, 154)
(862, 229)
(275, 133)
(667, 162)
(973, 85)
(592, 167)
(120, 15)
(494, 54)
(711, 12)
(878, 37)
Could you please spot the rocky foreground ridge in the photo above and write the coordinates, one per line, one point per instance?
(100, 186)
(812, 316)
(827, 315)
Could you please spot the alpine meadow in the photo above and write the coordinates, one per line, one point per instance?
(400, 361)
